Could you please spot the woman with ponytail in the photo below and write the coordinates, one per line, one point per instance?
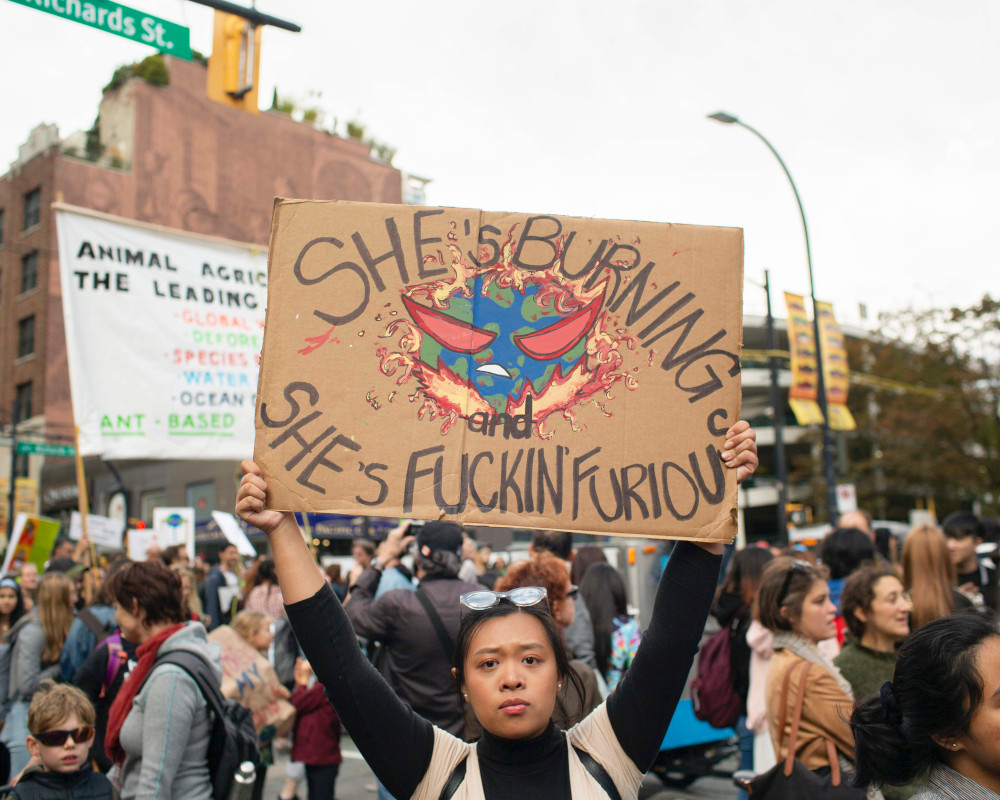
(938, 720)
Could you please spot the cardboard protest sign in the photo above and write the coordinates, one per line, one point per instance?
(249, 678)
(32, 540)
(501, 369)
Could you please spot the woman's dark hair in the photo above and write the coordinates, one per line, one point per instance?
(745, 571)
(104, 596)
(603, 590)
(154, 586)
(472, 621)
(584, 559)
(266, 572)
(844, 550)
(859, 592)
(935, 691)
(784, 584)
(18, 612)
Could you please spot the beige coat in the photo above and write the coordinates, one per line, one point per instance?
(825, 712)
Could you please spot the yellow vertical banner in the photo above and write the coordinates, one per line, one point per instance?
(25, 496)
(835, 369)
(802, 346)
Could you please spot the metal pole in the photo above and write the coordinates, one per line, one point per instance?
(252, 15)
(13, 470)
(778, 407)
(828, 456)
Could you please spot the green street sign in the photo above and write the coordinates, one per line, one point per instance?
(167, 37)
(46, 449)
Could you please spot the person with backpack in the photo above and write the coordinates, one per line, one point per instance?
(100, 677)
(159, 725)
(724, 682)
(92, 625)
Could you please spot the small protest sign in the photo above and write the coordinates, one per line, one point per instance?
(32, 541)
(140, 540)
(103, 531)
(501, 369)
(247, 676)
(175, 526)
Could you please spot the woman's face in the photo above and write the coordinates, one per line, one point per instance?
(185, 588)
(511, 676)
(816, 622)
(8, 601)
(978, 753)
(130, 622)
(564, 610)
(888, 617)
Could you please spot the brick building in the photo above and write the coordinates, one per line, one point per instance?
(168, 156)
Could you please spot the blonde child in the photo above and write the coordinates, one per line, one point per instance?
(254, 628)
(61, 726)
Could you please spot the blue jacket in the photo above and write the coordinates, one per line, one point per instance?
(80, 642)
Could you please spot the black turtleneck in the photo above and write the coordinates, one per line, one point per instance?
(540, 766)
(398, 744)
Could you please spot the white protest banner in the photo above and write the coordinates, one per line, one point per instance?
(175, 526)
(163, 335)
(234, 533)
(104, 532)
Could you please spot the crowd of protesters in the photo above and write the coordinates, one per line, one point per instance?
(892, 649)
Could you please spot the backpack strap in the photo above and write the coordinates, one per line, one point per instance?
(116, 660)
(89, 618)
(454, 780)
(439, 628)
(598, 773)
(200, 673)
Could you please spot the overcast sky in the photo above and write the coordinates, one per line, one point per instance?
(886, 114)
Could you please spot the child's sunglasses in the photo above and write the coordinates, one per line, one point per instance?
(521, 596)
(58, 738)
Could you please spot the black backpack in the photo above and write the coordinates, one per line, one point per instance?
(233, 738)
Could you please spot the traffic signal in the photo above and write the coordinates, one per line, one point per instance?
(234, 66)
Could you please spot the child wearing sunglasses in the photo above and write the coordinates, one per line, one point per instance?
(61, 725)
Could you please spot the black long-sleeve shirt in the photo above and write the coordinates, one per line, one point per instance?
(398, 744)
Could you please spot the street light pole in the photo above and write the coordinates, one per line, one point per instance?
(828, 463)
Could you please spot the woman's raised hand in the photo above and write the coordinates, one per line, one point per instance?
(740, 450)
(251, 501)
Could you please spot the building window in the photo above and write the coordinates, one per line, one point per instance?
(32, 208)
(26, 336)
(29, 272)
(149, 500)
(24, 401)
(201, 497)
(1, 226)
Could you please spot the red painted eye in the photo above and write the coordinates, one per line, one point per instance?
(561, 337)
(454, 334)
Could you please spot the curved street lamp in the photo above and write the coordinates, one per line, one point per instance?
(828, 464)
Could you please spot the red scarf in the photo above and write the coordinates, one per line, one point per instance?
(122, 704)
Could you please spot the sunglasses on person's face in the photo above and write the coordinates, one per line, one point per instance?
(522, 596)
(574, 590)
(58, 738)
(803, 567)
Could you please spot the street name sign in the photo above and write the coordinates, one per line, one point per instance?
(46, 449)
(129, 23)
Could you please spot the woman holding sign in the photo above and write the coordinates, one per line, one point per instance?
(509, 666)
